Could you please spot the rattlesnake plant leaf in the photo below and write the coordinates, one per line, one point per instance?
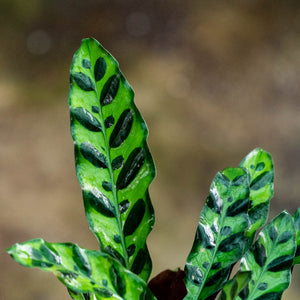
(88, 274)
(260, 167)
(296, 218)
(113, 163)
(233, 287)
(220, 240)
(270, 259)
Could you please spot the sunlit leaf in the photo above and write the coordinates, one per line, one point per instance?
(260, 167)
(270, 259)
(220, 239)
(88, 274)
(113, 163)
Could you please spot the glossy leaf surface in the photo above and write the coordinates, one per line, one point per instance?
(296, 218)
(113, 164)
(270, 259)
(233, 287)
(260, 167)
(220, 240)
(82, 271)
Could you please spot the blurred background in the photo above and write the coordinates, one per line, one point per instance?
(212, 79)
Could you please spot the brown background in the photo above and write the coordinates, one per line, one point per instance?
(213, 80)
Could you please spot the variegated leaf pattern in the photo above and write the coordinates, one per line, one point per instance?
(234, 286)
(260, 167)
(114, 166)
(296, 218)
(88, 274)
(220, 240)
(270, 259)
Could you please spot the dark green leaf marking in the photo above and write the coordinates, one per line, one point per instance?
(103, 292)
(242, 179)
(50, 254)
(260, 166)
(84, 81)
(238, 207)
(205, 236)
(123, 206)
(226, 230)
(218, 277)
(122, 129)
(118, 162)
(284, 237)
(107, 186)
(258, 212)
(216, 266)
(100, 68)
(139, 262)
(194, 274)
(117, 238)
(109, 90)
(134, 218)
(109, 121)
(117, 281)
(215, 203)
(131, 168)
(94, 156)
(85, 118)
(262, 286)
(81, 260)
(86, 63)
(114, 253)
(95, 109)
(261, 180)
(235, 241)
(259, 252)
(280, 263)
(273, 233)
(223, 179)
(131, 250)
(99, 202)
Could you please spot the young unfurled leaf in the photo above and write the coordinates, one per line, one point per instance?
(296, 218)
(88, 274)
(220, 239)
(233, 287)
(260, 167)
(270, 259)
(113, 163)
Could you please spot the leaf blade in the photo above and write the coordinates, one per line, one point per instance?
(270, 274)
(84, 272)
(259, 164)
(220, 239)
(112, 156)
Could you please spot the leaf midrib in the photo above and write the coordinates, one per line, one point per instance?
(215, 250)
(110, 169)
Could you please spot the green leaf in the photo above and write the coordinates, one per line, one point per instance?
(260, 167)
(88, 274)
(233, 287)
(296, 218)
(113, 163)
(270, 259)
(220, 241)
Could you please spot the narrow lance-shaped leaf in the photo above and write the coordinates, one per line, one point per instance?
(88, 274)
(220, 241)
(113, 164)
(296, 218)
(270, 259)
(233, 287)
(260, 167)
